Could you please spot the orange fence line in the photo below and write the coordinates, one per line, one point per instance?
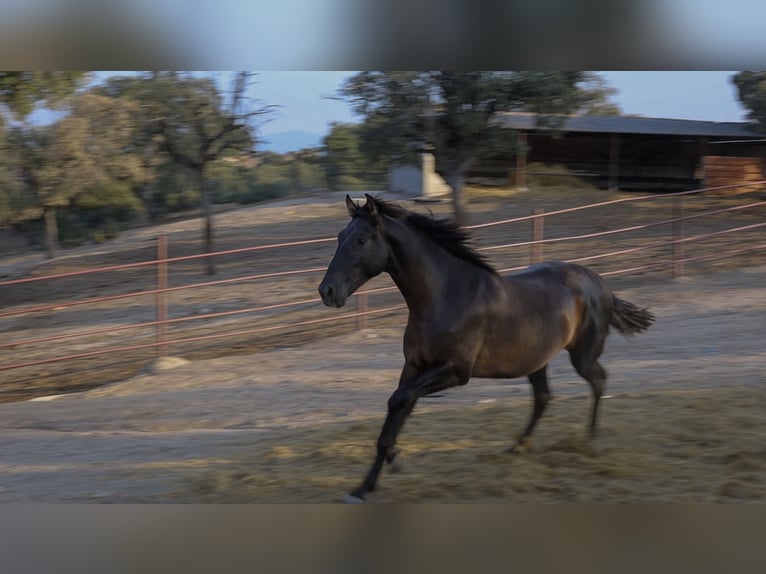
(163, 322)
(622, 229)
(200, 338)
(52, 306)
(168, 260)
(364, 292)
(610, 202)
(59, 305)
(362, 313)
(667, 243)
(685, 260)
(329, 239)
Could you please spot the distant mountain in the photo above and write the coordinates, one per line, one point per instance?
(294, 140)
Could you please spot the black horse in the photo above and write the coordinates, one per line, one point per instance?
(465, 319)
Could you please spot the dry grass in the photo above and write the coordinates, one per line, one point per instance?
(701, 446)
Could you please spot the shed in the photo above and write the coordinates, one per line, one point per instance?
(630, 153)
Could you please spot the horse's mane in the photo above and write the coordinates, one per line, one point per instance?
(447, 233)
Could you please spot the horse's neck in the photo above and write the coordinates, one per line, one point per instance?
(419, 268)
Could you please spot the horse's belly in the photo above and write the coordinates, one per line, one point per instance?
(509, 370)
(514, 360)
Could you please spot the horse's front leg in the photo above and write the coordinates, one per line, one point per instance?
(412, 386)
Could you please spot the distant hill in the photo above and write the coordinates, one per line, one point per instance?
(294, 140)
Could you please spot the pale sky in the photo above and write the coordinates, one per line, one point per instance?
(304, 100)
(305, 105)
(682, 95)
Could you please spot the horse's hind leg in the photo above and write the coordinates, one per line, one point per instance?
(588, 367)
(539, 382)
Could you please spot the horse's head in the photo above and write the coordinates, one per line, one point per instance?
(362, 253)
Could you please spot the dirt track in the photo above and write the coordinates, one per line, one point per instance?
(146, 438)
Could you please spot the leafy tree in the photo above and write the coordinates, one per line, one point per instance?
(450, 113)
(173, 189)
(201, 125)
(344, 161)
(306, 169)
(10, 183)
(148, 100)
(82, 150)
(22, 92)
(751, 89)
(597, 98)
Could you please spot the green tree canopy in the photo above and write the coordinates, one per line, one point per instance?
(199, 124)
(751, 89)
(22, 92)
(449, 113)
(146, 144)
(83, 149)
(344, 161)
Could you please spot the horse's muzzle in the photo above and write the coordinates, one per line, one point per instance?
(331, 295)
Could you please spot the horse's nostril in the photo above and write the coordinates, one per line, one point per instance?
(326, 291)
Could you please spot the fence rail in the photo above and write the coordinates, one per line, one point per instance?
(162, 341)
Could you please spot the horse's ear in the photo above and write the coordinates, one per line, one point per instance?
(372, 208)
(351, 206)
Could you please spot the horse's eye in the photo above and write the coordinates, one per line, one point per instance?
(361, 240)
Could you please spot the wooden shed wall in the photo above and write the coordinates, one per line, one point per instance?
(645, 162)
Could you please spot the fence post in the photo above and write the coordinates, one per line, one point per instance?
(161, 297)
(536, 249)
(361, 307)
(678, 235)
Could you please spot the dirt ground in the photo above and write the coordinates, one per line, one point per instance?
(291, 415)
(194, 432)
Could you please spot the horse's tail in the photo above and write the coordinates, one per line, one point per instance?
(629, 319)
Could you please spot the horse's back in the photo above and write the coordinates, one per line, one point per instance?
(557, 272)
(556, 281)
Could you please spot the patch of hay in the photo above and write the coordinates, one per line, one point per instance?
(704, 446)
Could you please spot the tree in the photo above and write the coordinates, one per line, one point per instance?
(450, 113)
(148, 100)
(10, 182)
(200, 125)
(83, 149)
(343, 159)
(597, 98)
(751, 89)
(22, 92)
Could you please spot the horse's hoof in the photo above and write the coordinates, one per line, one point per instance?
(351, 499)
(520, 448)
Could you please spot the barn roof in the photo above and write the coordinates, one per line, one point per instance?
(633, 125)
